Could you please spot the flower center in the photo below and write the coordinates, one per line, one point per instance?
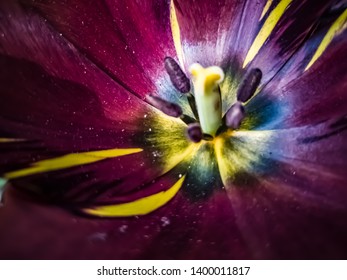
(207, 96)
(206, 102)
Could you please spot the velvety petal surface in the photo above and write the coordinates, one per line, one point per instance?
(239, 35)
(102, 28)
(68, 127)
(275, 188)
(288, 190)
(311, 87)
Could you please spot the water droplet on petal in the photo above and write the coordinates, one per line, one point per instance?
(123, 228)
(165, 221)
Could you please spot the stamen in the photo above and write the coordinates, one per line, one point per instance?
(249, 85)
(177, 76)
(168, 108)
(207, 96)
(194, 132)
(191, 101)
(235, 115)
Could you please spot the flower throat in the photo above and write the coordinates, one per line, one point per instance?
(206, 102)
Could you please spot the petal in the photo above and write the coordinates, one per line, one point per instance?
(180, 230)
(66, 122)
(211, 31)
(44, 116)
(311, 87)
(27, 36)
(293, 196)
(55, 127)
(277, 221)
(132, 56)
(97, 177)
(281, 33)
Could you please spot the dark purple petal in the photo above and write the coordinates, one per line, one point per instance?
(292, 28)
(309, 96)
(294, 196)
(278, 221)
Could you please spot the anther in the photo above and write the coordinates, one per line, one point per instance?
(177, 76)
(194, 132)
(249, 85)
(235, 115)
(168, 108)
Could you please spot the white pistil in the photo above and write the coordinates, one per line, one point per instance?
(207, 96)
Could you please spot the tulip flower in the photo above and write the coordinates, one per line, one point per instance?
(173, 129)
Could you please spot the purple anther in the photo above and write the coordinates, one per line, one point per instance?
(168, 108)
(235, 115)
(249, 85)
(177, 76)
(194, 132)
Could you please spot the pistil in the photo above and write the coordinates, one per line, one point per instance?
(206, 100)
(207, 96)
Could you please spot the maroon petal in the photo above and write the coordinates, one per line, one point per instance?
(180, 230)
(48, 117)
(209, 31)
(132, 56)
(26, 35)
(45, 118)
(280, 219)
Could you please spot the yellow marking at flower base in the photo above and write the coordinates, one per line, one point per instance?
(226, 169)
(176, 34)
(176, 156)
(69, 160)
(337, 27)
(266, 30)
(138, 207)
(266, 9)
(250, 149)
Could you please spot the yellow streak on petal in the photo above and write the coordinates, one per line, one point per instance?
(69, 160)
(337, 27)
(7, 140)
(266, 30)
(138, 207)
(176, 34)
(266, 9)
(226, 169)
